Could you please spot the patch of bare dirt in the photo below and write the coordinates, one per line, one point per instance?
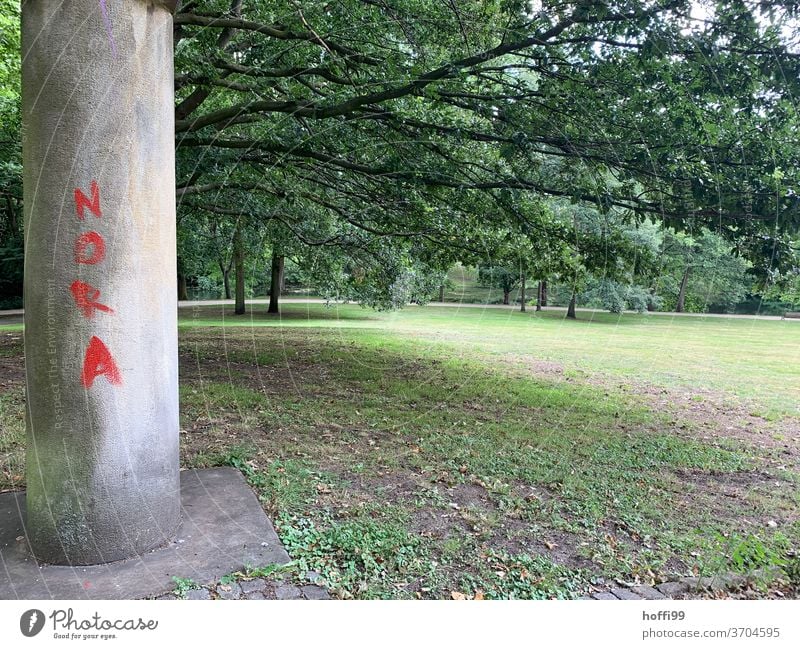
(562, 547)
(710, 415)
(297, 371)
(12, 360)
(738, 498)
(704, 414)
(538, 366)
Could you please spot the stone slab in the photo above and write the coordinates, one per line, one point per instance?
(314, 592)
(604, 596)
(223, 529)
(672, 588)
(647, 592)
(288, 591)
(624, 593)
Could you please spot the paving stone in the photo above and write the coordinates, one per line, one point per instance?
(647, 592)
(234, 591)
(695, 583)
(672, 588)
(252, 586)
(315, 592)
(222, 529)
(255, 595)
(167, 596)
(198, 594)
(287, 591)
(607, 596)
(624, 593)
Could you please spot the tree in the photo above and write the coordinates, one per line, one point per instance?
(238, 264)
(11, 239)
(482, 99)
(599, 248)
(355, 122)
(785, 286)
(701, 271)
(501, 277)
(276, 281)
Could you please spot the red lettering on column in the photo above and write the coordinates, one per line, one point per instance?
(81, 202)
(90, 248)
(99, 362)
(86, 298)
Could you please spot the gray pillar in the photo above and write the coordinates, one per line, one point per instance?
(100, 290)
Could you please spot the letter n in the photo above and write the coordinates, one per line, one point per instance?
(81, 202)
(98, 362)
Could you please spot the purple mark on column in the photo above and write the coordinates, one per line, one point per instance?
(107, 23)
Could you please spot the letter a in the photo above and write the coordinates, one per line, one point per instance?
(81, 202)
(86, 297)
(98, 361)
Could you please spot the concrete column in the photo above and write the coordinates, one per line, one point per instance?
(100, 278)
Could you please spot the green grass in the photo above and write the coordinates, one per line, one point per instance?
(441, 452)
(183, 586)
(12, 437)
(750, 359)
(346, 413)
(756, 360)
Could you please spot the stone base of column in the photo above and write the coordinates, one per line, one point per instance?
(223, 529)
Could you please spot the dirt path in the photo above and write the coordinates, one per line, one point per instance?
(470, 305)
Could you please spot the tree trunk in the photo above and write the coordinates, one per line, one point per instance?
(682, 293)
(539, 297)
(182, 292)
(226, 283)
(441, 293)
(238, 262)
(571, 307)
(522, 293)
(505, 296)
(275, 283)
(544, 292)
(13, 226)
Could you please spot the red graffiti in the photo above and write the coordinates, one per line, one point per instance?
(90, 248)
(86, 296)
(81, 202)
(99, 362)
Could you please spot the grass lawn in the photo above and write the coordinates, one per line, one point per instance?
(435, 451)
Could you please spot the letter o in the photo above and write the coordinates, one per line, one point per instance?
(90, 248)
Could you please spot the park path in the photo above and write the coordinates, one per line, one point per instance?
(13, 316)
(471, 305)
